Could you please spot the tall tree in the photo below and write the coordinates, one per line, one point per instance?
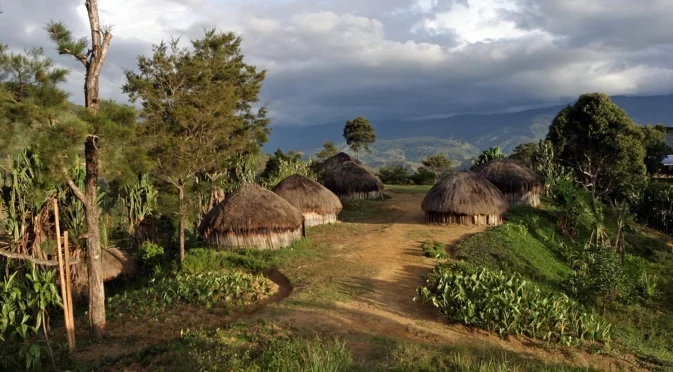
(598, 140)
(328, 150)
(439, 164)
(656, 148)
(359, 134)
(92, 60)
(198, 110)
(273, 163)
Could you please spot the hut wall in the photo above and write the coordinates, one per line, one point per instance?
(528, 199)
(462, 219)
(360, 195)
(269, 240)
(314, 219)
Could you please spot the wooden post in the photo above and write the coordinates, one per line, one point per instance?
(68, 286)
(61, 274)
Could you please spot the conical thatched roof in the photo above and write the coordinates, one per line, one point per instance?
(335, 160)
(249, 209)
(308, 195)
(511, 177)
(465, 193)
(349, 178)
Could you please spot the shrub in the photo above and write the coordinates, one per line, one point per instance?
(435, 249)
(423, 177)
(394, 175)
(231, 288)
(507, 304)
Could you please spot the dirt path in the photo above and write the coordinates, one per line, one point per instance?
(382, 305)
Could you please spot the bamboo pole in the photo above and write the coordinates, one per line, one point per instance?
(61, 272)
(68, 286)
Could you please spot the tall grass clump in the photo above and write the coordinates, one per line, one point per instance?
(509, 305)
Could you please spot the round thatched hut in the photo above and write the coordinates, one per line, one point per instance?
(334, 160)
(252, 216)
(464, 198)
(350, 180)
(318, 204)
(519, 183)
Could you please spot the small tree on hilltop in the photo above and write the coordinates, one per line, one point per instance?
(328, 150)
(197, 106)
(599, 142)
(439, 164)
(359, 134)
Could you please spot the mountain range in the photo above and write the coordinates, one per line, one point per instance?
(461, 137)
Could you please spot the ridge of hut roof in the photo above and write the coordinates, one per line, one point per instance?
(350, 177)
(464, 192)
(308, 195)
(251, 208)
(511, 177)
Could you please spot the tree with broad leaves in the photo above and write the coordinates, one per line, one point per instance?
(487, 155)
(656, 148)
(599, 142)
(359, 134)
(198, 110)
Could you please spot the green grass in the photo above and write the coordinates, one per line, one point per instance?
(263, 346)
(408, 189)
(516, 247)
(530, 244)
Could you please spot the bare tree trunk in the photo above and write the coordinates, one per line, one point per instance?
(181, 197)
(94, 251)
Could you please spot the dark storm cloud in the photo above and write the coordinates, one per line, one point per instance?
(332, 59)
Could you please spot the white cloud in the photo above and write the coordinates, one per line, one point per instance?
(398, 58)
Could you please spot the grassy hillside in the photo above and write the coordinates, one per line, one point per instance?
(529, 244)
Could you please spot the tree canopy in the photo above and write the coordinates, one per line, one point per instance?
(598, 140)
(525, 153)
(488, 155)
(439, 164)
(655, 147)
(197, 109)
(359, 134)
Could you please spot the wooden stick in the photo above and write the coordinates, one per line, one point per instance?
(61, 272)
(34, 260)
(68, 286)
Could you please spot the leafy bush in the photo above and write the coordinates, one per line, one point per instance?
(25, 302)
(507, 304)
(423, 176)
(394, 175)
(232, 288)
(435, 249)
(150, 255)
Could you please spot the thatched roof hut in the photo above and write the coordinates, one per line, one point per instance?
(317, 203)
(464, 198)
(116, 264)
(519, 183)
(350, 180)
(252, 216)
(334, 160)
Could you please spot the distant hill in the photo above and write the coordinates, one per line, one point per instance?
(461, 137)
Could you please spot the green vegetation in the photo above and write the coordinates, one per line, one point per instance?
(634, 296)
(434, 249)
(508, 305)
(488, 155)
(409, 189)
(230, 289)
(359, 134)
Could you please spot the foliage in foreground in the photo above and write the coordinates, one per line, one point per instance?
(434, 249)
(229, 289)
(509, 305)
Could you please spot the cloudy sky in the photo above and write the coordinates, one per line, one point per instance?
(335, 59)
